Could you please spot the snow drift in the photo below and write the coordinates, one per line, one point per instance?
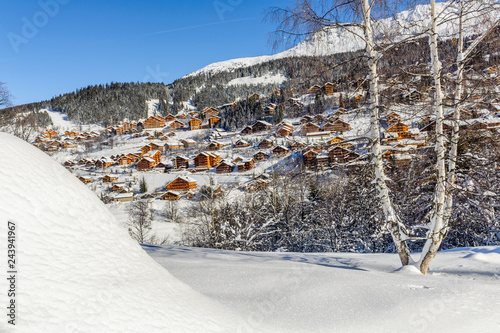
(78, 270)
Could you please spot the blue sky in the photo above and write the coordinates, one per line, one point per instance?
(51, 47)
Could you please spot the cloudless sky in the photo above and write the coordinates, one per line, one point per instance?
(52, 47)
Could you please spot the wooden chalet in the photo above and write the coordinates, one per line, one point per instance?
(181, 162)
(176, 124)
(245, 165)
(72, 133)
(145, 150)
(154, 146)
(310, 158)
(329, 88)
(225, 167)
(212, 121)
(210, 112)
(188, 143)
(398, 127)
(124, 197)
(341, 155)
(247, 130)
(214, 158)
(169, 117)
(306, 119)
(174, 144)
(133, 157)
(194, 124)
(241, 144)
(270, 109)
(50, 133)
(104, 163)
(214, 145)
(171, 196)
(154, 122)
(254, 97)
(340, 126)
(314, 89)
(108, 179)
(265, 144)
(146, 163)
(260, 155)
(284, 129)
(322, 160)
(280, 150)
(182, 183)
(297, 145)
(310, 128)
(118, 187)
(202, 160)
(155, 155)
(393, 117)
(261, 126)
(85, 180)
(256, 185)
(124, 160)
(335, 140)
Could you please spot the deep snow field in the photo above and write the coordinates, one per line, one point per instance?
(79, 271)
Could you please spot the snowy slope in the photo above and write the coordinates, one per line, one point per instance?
(347, 292)
(333, 41)
(78, 269)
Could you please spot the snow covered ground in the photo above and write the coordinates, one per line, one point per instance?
(266, 79)
(79, 271)
(339, 292)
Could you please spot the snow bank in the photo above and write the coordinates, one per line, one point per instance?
(78, 270)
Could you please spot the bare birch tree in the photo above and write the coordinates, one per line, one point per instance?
(306, 18)
(446, 169)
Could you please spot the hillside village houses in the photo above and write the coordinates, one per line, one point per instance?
(171, 143)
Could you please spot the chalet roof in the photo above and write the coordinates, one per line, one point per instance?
(153, 152)
(124, 195)
(396, 124)
(324, 133)
(172, 192)
(280, 146)
(226, 162)
(149, 159)
(261, 152)
(185, 178)
(262, 122)
(182, 156)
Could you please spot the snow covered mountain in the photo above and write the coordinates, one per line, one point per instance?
(339, 40)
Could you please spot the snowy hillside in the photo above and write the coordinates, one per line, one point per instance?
(77, 269)
(334, 41)
(341, 292)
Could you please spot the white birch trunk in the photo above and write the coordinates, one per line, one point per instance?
(437, 228)
(393, 223)
(452, 155)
